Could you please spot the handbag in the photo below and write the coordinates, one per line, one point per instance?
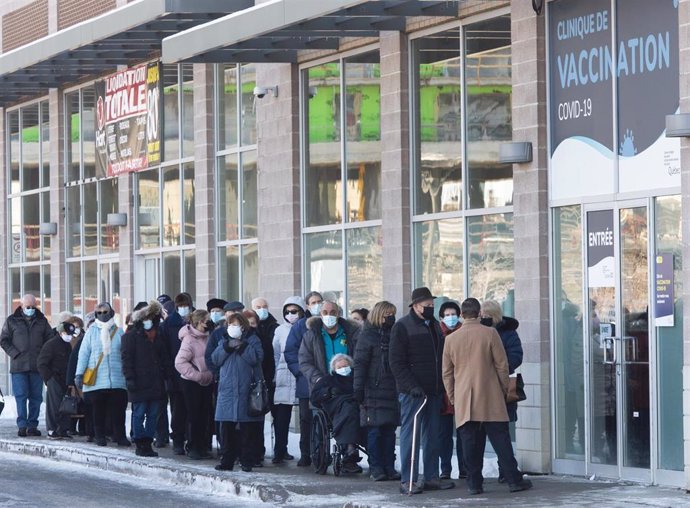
(69, 405)
(516, 389)
(258, 404)
(89, 378)
(2, 402)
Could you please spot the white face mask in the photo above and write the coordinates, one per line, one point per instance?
(66, 338)
(262, 313)
(183, 311)
(235, 331)
(315, 309)
(344, 371)
(291, 318)
(329, 321)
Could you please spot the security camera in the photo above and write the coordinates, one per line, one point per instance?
(260, 91)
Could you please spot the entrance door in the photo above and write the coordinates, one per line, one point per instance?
(618, 327)
(147, 279)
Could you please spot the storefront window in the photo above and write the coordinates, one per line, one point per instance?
(187, 100)
(13, 130)
(227, 82)
(364, 274)
(323, 259)
(489, 111)
(248, 109)
(568, 333)
(30, 148)
(171, 206)
(438, 123)
(439, 257)
(171, 113)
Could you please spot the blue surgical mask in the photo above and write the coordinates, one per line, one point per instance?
(344, 371)
(262, 313)
(29, 312)
(183, 311)
(315, 309)
(451, 321)
(217, 316)
(148, 324)
(329, 321)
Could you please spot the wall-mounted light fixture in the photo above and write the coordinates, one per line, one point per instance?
(678, 126)
(116, 219)
(517, 152)
(47, 228)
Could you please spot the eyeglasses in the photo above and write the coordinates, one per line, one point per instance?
(292, 312)
(102, 312)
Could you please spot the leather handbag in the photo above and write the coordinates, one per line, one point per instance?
(258, 404)
(516, 389)
(69, 405)
(90, 374)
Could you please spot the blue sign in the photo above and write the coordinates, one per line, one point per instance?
(663, 290)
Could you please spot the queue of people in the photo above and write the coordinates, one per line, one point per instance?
(445, 379)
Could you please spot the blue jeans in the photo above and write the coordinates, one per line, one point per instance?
(381, 448)
(27, 386)
(145, 418)
(429, 423)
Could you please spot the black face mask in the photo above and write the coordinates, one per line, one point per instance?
(428, 313)
(388, 322)
(487, 321)
(104, 318)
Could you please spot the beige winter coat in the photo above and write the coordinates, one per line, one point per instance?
(475, 373)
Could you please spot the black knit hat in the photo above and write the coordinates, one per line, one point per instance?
(420, 294)
(215, 303)
(450, 304)
(163, 298)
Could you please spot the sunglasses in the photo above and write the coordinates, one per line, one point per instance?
(292, 312)
(102, 312)
(30, 307)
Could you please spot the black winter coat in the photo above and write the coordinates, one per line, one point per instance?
(170, 333)
(145, 364)
(22, 339)
(416, 353)
(333, 393)
(373, 378)
(265, 331)
(507, 329)
(53, 360)
(73, 360)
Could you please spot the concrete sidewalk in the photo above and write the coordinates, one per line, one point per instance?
(293, 486)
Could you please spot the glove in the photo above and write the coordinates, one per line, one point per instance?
(79, 382)
(417, 392)
(131, 386)
(359, 396)
(232, 345)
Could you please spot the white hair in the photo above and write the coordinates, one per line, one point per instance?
(256, 300)
(63, 316)
(341, 356)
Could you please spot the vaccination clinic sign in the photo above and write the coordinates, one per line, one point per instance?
(596, 77)
(128, 120)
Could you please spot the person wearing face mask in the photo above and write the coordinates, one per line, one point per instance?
(215, 311)
(449, 316)
(23, 335)
(415, 357)
(146, 366)
(170, 332)
(291, 352)
(374, 387)
(239, 356)
(52, 365)
(334, 394)
(265, 330)
(83, 425)
(101, 350)
(285, 383)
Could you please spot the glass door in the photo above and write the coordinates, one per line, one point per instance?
(617, 242)
(109, 287)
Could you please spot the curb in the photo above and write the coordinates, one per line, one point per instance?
(196, 480)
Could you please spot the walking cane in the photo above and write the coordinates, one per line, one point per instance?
(414, 442)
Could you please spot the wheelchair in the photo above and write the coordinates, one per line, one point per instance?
(322, 454)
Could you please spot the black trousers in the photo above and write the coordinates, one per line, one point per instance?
(473, 435)
(112, 403)
(163, 426)
(55, 421)
(305, 418)
(281, 425)
(240, 440)
(198, 404)
(178, 417)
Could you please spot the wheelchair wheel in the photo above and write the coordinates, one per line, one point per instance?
(337, 459)
(320, 443)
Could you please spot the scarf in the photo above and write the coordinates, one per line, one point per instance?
(105, 334)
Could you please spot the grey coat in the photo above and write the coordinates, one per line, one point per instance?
(237, 372)
(22, 339)
(312, 354)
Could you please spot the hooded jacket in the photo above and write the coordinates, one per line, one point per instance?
(190, 361)
(109, 375)
(145, 361)
(22, 339)
(312, 353)
(286, 383)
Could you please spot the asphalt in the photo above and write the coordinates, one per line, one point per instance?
(292, 486)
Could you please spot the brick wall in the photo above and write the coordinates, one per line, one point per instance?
(24, 25)
(71, 12)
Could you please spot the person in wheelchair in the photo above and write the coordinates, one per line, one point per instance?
(334, 394)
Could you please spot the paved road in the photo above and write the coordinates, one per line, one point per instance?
(37, 482)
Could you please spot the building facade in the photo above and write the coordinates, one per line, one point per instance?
(357, 147)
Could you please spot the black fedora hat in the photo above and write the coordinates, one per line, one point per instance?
(419, 294)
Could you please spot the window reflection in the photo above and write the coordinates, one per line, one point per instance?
(187, 110)
(248, 118)
(489, 111)
(149, 209)
(229, 262)
(439, 258)
(30, 148)
(171, 206)
(228, 198)
(45, 217)
(45, 145)
(249, 196)
(250, 271)
(74, 220)
(30, 221)
(73, 127)
(324, 264)
(88, 133)
(189, 203)
(171, 113)
(110, 237)
(90, 218)
(227, 107)
(172, 274)
(74, 289)
(491, 264)
(90, 286)
(364, 274)
(438, 176)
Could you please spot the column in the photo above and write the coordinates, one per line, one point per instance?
(204, 185)
(531, 209)
(58, 287)
(395, 169)
(278, 147)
